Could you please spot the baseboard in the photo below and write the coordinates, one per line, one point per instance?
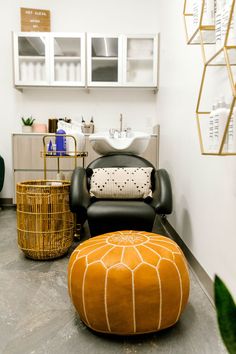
(205, 281)
(6, 202)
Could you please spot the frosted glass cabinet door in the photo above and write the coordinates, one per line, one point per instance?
(67, 59)
(104, 60)
(31, 58)
(140, 61)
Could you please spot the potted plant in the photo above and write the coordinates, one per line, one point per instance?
(226, 314)
(27, 124)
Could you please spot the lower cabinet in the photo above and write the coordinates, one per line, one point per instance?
(28, 164)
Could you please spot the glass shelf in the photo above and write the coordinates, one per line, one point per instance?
(69, 154)
(203, 35)
(225, 145)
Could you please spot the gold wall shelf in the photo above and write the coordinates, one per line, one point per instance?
(224, 57)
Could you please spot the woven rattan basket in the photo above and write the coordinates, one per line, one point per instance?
(45, 224)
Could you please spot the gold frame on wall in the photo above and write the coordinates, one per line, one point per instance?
(191, 40)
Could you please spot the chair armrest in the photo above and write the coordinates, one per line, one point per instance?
(2, 172)
(79, 195)
(162, 195)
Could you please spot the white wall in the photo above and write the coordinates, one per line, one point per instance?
(107, 16)
(204, 187)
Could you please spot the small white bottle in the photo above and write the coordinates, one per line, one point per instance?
(224, 20)
(223, 115)
(43, 71)
(211, 129)
(232, 30)
(71, 71)
(218, 23)
(209, 13)
(31, 71)
(216, 128)
(78, 72)
(196, 13)
(64, 71)
(23, 71)
(57, 71)
(231, 136)
(38, 71)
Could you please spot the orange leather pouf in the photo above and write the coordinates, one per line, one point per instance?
(128, 282)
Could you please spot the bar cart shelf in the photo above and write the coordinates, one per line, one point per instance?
(74, 154)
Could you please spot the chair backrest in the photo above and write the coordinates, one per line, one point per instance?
(120, 160)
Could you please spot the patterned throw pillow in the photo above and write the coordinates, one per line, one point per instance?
(121, 183)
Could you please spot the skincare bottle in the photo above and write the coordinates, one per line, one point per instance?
(232, 132)
(82, 122)
(23, 71)
(216, 128)
(78, 72)
(49, 148)
(31, 68)
(38, 71)
(223, 115)
(57, 71)
(224, 20)
(208, 13)
(71, 72)
(218, 23)
(210, 129)
(196, 12)
(91, 125)
(232, 32)
(61, 142)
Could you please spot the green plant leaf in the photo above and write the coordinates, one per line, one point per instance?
(226, 315)
(28, 121)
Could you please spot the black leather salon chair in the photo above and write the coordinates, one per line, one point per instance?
(2, 172)
(121, 214)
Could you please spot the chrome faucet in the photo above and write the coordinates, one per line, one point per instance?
(120, 133)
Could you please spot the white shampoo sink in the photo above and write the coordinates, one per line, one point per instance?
(103, 144)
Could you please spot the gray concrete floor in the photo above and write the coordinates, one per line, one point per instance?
(36, 315)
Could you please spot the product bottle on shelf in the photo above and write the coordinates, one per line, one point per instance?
(23, 71)
(218, 23)
(196, 12)
(64, 71)
(57, 71)
(91, 125)
(78, 72)
(71, 71)
(232, 29)
(61, 143)
(231, 141)
(38, 71)
(211, 129)
(216, 128)
(43, 71)
(223, 115)
(224, 20)
(209, 13)
(31, 71)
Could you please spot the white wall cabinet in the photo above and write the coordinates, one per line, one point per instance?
(28, 163)
(49, 59)
(104, 60)
(140, 56)
(60, 59)
(124, 61)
